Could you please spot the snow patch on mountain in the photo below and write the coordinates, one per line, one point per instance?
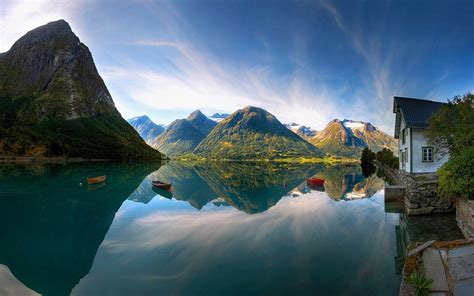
(302, 130)
(353, 124)
(218, 117)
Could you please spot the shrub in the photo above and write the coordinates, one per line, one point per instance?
(451, 131)
(456, 177)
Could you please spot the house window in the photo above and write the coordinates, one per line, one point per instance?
(406, 155)
(427, 154)
(404, 136)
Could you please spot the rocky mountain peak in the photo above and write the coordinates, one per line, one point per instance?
(369, 127)
(220, 115)
(51, 91)
(195, 115)
(147, 129)
(347, 137)
(53, 32)
(51, 63)
(201, 122)
(249, 109)
(141, 118)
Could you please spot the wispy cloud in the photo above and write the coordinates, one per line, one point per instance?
(196, 79)
(20, 16)
(201, 81)
(163, 65)
(374, 98)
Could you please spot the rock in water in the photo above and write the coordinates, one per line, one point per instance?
(53, 101)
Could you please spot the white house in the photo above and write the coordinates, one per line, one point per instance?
(412, 119)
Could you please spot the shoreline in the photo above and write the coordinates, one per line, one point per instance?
(32, 159)
(302, 160)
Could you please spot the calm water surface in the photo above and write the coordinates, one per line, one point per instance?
(224, 229)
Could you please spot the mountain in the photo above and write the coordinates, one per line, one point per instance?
(53, 101)
(305, 132)
(200, 121)
(348, 138)
(146, 128)
(183, 135)
(253, 133)
(218, 117)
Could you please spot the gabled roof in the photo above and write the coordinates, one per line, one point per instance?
(416, 112)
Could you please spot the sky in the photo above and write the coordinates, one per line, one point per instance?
(307, 62)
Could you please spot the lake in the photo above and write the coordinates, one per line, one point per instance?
(224, 229)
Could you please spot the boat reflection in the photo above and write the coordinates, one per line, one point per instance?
(52, 226)
(255, 187)
(46, 214)
(166, 193)
(348, 183)
(315, 187)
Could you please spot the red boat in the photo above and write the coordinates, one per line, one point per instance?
(96, 180)
(315, 181)
(161, 185)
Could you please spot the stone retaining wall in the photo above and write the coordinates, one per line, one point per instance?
(421, 196)
(465, 216)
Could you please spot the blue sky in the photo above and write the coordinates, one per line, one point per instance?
(305, 61)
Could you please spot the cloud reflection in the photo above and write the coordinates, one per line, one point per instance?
(216, 249)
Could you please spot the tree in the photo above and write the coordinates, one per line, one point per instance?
(386, 157)
(367, 162)
(456, 177)
(451, 131)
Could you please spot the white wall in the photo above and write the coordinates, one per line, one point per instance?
(419, 141)
(401, 147)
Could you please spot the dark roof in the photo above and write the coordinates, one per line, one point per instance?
(416, 112)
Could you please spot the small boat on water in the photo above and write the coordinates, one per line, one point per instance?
(161, 185)
(315, 181)
(96, 180)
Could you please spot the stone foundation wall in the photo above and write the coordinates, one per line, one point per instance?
(421, 196)
(465, 216)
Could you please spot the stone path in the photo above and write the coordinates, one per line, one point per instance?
(452, 270)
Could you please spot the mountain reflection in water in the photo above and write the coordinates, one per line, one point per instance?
(52, 226)
(254, 187)
(56, 232)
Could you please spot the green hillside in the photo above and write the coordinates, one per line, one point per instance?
(53, 102)
(183, 135)
(253, 133)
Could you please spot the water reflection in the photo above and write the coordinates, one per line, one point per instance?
(52, 226)
(298, 246)
(252, 229)
(412, 229)
(254, 187)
